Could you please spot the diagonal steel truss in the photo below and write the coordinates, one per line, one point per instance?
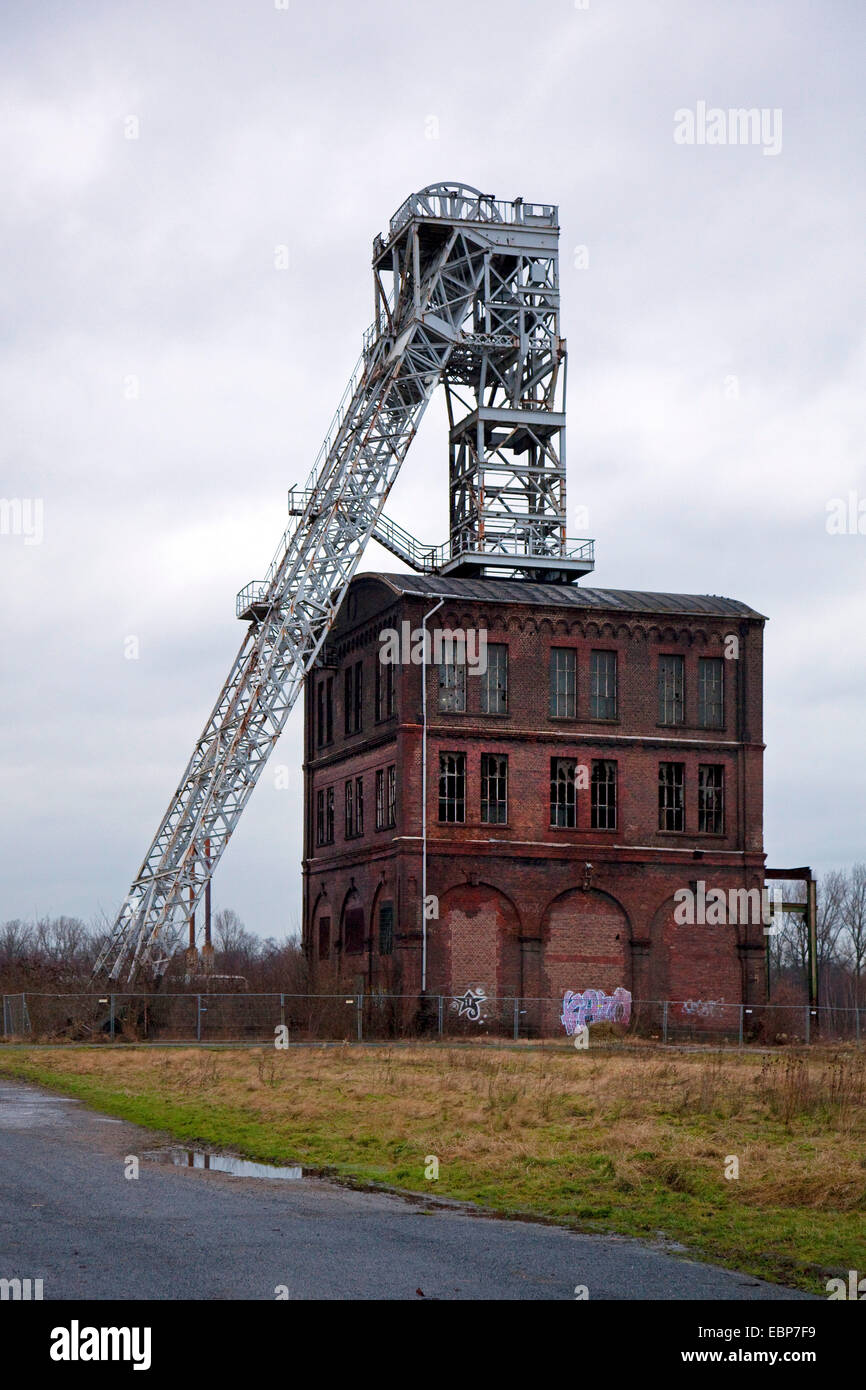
(453, 281)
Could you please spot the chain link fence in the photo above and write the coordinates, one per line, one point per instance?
(348, 1017)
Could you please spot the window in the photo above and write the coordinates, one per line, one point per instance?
(325, 816)
(452, 686)
(384, 691)
(354, 792)
(494, 682)
(603, 795)
(386, 797)
(563, 795)
(711, 692)
(386, 929)
(671, 681)
(671, 804)
(353, 697)
(324, 938)
(602, 685)
(563, 683)
(325, 711)
(353, 931)
(711, 799)
(452, 787)
(494, 789)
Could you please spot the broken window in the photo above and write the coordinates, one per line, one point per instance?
(603, 794)
(452, 686)
(711, 799)
(563, 793)
(671, 802)
(494, 788)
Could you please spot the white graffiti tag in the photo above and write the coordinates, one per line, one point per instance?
(468, 1005)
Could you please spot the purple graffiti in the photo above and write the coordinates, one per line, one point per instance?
(594, 1006)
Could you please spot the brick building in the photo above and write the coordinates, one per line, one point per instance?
(610, 755)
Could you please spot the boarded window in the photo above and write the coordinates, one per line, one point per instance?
(353, 931)
(324, 938)
(386, 928)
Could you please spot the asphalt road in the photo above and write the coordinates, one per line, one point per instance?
(69, 1216)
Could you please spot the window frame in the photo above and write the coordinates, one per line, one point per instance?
(716, 793)
(678, 808)
(488, 778)
(664, 696)
(501, 689)
(718, 664)
(610, 809)
(595, 697)
(568, 803)
(458, 774)
(569, 696)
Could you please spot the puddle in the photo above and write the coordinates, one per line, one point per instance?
(221, 1163)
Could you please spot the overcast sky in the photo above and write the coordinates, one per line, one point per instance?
(163, 383)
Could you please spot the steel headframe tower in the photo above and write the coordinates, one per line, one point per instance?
(466, 292)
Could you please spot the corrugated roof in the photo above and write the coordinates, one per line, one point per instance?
(563, 595)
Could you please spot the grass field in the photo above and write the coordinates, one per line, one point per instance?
(634, 1142)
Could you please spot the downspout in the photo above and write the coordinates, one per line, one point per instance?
(424, 797)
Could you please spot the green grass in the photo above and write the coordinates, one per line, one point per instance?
(631, 1144)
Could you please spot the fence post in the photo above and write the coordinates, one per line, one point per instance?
(665, 1021)
(742, 1006)
(5, 1030)
(359, 1004)
(111, 1016)
(441, 1012)
(808, 1029)
(516, 1020)
(282, 1010)
(857, 1023)
(198, 1018)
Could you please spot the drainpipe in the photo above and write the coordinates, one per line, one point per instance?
(424, 797)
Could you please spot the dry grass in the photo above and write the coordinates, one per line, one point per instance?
(635, 1142)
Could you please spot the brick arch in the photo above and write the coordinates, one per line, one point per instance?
(585, 943)
(692, 962)
(476, 941)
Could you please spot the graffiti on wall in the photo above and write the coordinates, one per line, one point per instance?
(468, 1004)
(594, 1006)
(702, 1008)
